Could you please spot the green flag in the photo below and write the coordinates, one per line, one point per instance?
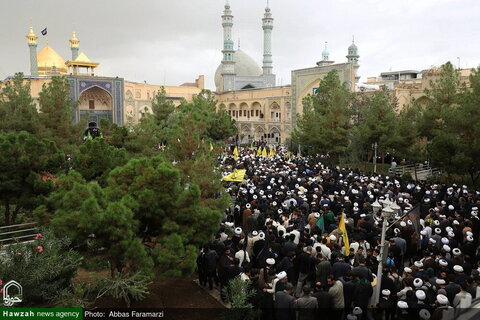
(320, 223)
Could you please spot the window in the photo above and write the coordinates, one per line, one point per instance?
(244, 113)
(91, 104)
(256, 113)
(251, 113)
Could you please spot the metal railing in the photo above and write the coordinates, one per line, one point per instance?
(18, 232)
(418, 171)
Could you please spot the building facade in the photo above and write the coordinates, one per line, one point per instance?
(98, 97)
(409, 86)
(263, 111)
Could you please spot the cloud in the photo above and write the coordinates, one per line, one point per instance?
(175, 41)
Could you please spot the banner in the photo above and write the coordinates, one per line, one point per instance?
(343, 228)
(236, 176)
(321, 224)
(264, 152)
(414, 216)
(235, 154)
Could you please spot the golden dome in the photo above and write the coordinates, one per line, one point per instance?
(82, 57)
(48, 58)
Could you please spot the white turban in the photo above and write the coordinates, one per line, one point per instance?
(442, 299)
(417, 282)
(420, 294)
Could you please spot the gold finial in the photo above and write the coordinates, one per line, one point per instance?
(74, 42)
(31, 37)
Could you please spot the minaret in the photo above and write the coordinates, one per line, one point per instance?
(74, 45)
(32, 44)
(267, 41)
(325, 57)
(325, 53)
(353, 58)
(228, 63)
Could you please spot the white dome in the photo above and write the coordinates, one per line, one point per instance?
(244, 66)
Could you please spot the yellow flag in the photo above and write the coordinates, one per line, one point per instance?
(236, 175)
(235, 154)
(272, 151)
(288, 155)
(259, 151)
(264, 152)
(343, 228)
(211, 146)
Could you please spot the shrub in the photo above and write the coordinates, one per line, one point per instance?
(42, 267)
(239, 293)
(406, 177)
(125, 287)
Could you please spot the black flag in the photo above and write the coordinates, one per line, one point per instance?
(44, 32)
(414, 216)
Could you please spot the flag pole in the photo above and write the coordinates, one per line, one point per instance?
(402, 217)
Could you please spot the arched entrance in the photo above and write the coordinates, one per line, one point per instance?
(95, 104)
(275, 113)
(246, 135)
(274, 137)
(259, 134)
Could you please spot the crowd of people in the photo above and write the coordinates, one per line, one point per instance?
(284, 234)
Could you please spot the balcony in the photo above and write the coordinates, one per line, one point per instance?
(241, 119)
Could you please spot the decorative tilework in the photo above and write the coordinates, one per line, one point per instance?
(118, 102)
(87, 84)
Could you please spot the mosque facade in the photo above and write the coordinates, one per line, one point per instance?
(98, 97)
(262, 110)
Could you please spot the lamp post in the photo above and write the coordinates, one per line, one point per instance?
(386, 213)
(396, 208)
(375, 146)
(376, 206)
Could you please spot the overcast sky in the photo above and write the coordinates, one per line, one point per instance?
(173, 41)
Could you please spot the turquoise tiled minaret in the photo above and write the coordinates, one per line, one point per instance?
(32, 44)
(267, 41)
(228, 62)
(353, 56)
(325, 53)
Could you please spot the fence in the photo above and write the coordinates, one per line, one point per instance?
(418, 171)
(18, 232)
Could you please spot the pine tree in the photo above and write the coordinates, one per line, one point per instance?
(442, 96)
(379, 121)
(456, 148)
(18, 111)
(82, 211)
(167, 209)
(324, 126)
(95, 159)
(56, 117)
(26, 165)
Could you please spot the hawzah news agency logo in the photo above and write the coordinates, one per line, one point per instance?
(12, 293)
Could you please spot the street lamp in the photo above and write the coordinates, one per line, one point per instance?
(387, 212)
(387, 202)
(396, 208)
(376, 206)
